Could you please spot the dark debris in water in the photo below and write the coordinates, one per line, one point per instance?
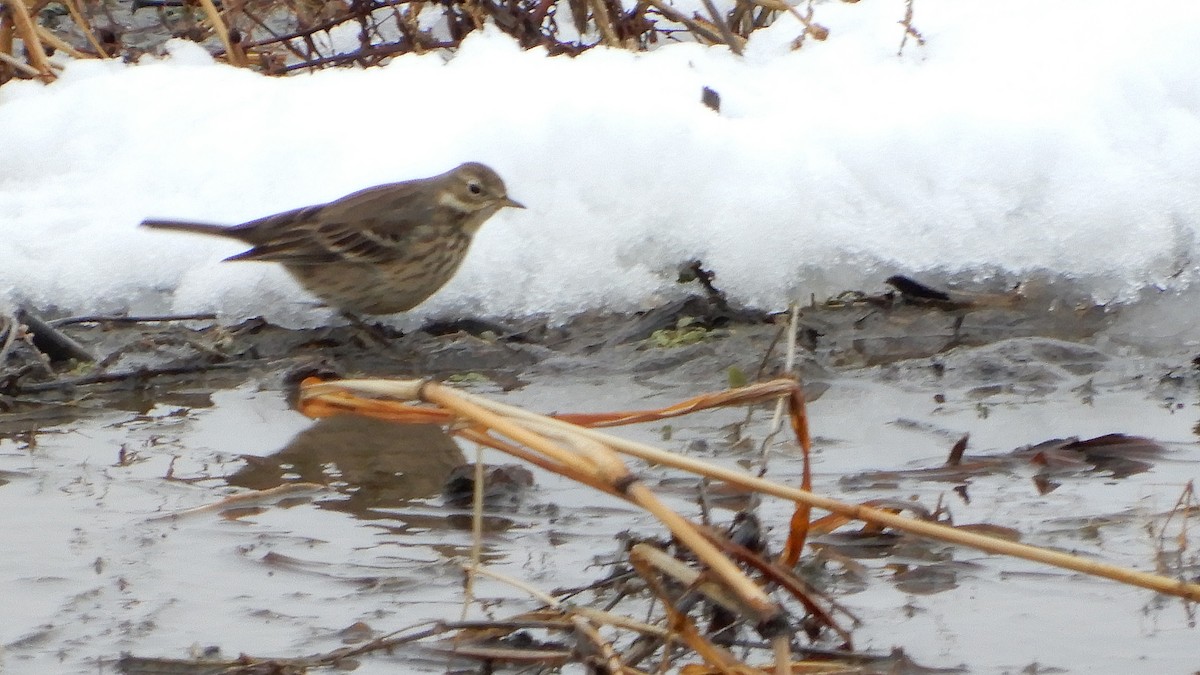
(504, 486)
(1111, 455)
(1118, 455)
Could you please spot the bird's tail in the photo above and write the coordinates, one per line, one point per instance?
(187, 226)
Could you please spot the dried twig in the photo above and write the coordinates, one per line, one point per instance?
(85, 27)
(727, 36)
(18, 64)
(694, 26)
(234, 54)
(909, 29)
(604, 23)
(27, 31)
(56, 42)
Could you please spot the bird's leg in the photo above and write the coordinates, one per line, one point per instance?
(375, 334)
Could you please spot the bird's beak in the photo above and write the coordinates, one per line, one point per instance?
(509, 201)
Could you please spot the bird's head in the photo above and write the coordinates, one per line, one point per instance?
(476, 188)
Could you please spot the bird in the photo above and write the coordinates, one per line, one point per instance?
(381, 250)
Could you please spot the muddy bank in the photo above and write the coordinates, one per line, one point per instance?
(115, 362)
(112, 474)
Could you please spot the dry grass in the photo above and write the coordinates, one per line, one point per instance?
(282, 36)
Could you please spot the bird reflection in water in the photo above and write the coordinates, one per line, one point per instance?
(372, 464)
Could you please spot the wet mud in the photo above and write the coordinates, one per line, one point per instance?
(118, 543)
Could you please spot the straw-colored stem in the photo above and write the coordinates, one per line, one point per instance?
(783, 655)
(567, 471)
(601, 657)
(476, 535)
(677, 621)
(866, 513)
(27, 31)
(798, 415)
(404, 390)
(214, 17)
(58, 43)
(322, 399)
(15, 63)
(618, 621)
(617, 475)
(604, 23)
(780, 6)
(929, 530)
(679, 17)
(6, 45)
(754, 393)
(450, 399)
(789, 365)
(537, 593)
(80, 20)
(786, 579)
(722, 25)
(751, 594)
(686, 575)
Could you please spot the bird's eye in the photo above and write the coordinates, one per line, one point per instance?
(475, 188)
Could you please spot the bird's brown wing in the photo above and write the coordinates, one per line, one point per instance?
(371, 225)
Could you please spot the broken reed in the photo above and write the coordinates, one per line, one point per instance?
(714, 566)
(592, 459)
(281, 36)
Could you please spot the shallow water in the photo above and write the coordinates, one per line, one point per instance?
(94, 569)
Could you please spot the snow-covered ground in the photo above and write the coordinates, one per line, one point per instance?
(1022, 138)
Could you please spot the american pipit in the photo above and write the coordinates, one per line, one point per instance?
(380, 250)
